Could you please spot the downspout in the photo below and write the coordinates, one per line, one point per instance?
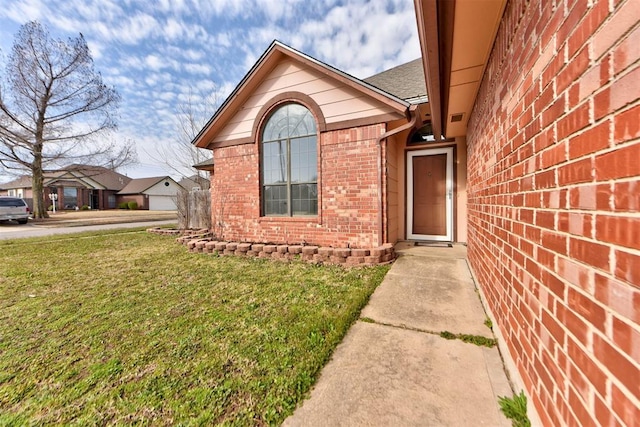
(411, 113)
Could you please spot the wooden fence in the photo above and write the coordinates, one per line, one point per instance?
(194, 209)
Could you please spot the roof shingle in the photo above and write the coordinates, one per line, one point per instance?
(405, 81)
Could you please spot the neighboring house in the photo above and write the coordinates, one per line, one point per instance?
(195, 181)
(154, 194)
(305, 153)
(19, 187)
(546, 98)
(75, 186)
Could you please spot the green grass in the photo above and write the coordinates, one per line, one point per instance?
(129, 328)
(478, 340)
(515, 409)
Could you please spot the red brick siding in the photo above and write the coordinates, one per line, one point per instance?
(554, 231)
(348, 196)
(138, 198)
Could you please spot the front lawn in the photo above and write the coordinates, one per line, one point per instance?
(129, 328)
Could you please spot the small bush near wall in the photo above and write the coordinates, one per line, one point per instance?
(132, 205)
(123, 205)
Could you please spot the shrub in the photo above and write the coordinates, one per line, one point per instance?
(123, 205)
(132, 205)
(84, 208)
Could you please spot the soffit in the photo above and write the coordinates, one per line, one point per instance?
(475, 26)
(456, 38)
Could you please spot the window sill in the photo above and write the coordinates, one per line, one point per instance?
(310, 218)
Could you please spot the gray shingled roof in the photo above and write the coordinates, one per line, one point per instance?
(111, 180)
(139, 185)
(194, 181)
(405, 81)
(205, 164)
(20, 182)
(108, 178)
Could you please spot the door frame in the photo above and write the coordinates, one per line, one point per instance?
(449, 193)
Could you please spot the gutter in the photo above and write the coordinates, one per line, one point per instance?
(383, 232)
(427, 18)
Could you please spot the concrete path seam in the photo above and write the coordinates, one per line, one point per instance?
(408, 328)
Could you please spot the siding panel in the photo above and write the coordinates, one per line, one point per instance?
(337, 101)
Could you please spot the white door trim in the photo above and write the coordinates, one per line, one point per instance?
(449, 196)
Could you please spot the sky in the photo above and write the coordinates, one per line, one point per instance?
(161, 54)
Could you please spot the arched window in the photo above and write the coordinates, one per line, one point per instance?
(289, 163)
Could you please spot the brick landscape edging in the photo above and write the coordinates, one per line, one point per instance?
(198, 241)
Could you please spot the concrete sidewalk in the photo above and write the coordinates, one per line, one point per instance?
(394, 369)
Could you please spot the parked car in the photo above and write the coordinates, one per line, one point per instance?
(13, 208)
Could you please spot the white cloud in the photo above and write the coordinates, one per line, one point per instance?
(120, 82)
(167, 96)
(173, 29)
(197, 68)
(96, 48)
(136, 28)
(26, 10)
(192, 54)
(155, 62)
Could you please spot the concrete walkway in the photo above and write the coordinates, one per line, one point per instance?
(394, 369)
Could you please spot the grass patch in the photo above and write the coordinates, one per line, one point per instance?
(129, 328)
(488, 323)
(515, 409)
(472, 339)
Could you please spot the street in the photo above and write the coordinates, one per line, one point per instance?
(13, 230)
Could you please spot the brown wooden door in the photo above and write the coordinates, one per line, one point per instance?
(430, 195)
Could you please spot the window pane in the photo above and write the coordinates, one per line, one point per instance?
(304, 199)
(304, 167)
(70, 197)
(275, 200)
(290, 162)
(276, 126)
(274, 155)
(288, 121)
(301, 122)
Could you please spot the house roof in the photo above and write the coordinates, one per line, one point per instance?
(206, 165)
(405, 81)
(140, 185)
(20, 182)
(108, 178)
(194, 181)
(265, 64)
(76, 175)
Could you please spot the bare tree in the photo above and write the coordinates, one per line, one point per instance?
(191, 117)
(52, 106)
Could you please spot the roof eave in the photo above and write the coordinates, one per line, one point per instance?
(427, 19)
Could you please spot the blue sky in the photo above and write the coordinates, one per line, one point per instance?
(156, 53)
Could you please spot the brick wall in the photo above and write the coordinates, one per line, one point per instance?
(138, 198)
(347, 199)
(554, 200)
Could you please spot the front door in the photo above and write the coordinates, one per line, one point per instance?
(430, 194)
(93, 199)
